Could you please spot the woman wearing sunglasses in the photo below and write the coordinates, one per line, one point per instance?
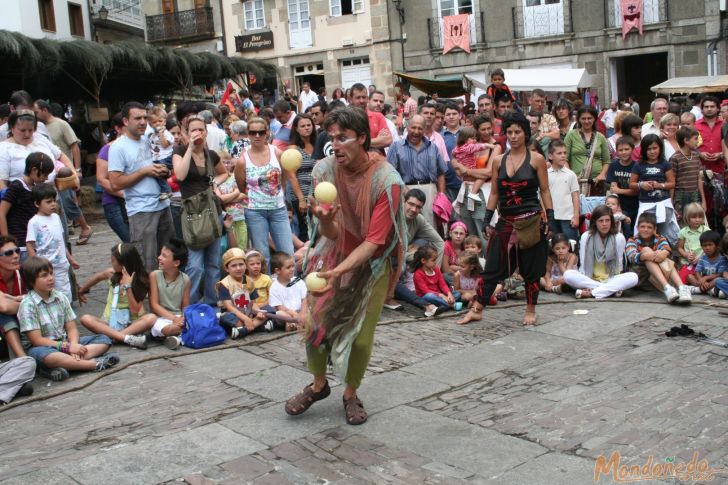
(12, 290)
(259, 174)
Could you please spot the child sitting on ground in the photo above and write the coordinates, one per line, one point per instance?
(239, 315)
(454, 247)
(288, 301)
(465, 151)
(711, 266)
(648, 255)
(688, 243)
(467, 280)
(257, 280)
(162, 144)
(169, 293)
(475, 245)
(128, 283)
(559, 262)
(45, 237)
(429, 282)
(49, 323)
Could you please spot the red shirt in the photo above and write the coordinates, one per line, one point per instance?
(711, 143)
(18, 288)
(377, 123)
(434, 283)
(381, 224)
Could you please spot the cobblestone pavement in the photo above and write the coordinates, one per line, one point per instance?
(491, 402)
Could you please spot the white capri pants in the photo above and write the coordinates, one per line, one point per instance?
(616, 283)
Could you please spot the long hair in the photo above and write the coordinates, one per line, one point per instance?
(646, 142)
(423, 252)
(472, 259)
(128, 256)
(296, 138)
(599, 212)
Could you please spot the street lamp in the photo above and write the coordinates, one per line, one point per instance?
(103, 13)
(400, 10)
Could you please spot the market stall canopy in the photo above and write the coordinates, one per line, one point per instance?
(550, 80)
(694, 84)
(448, 87)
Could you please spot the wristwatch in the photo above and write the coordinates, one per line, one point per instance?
(125, 287)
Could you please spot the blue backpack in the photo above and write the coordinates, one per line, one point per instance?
(201, 327)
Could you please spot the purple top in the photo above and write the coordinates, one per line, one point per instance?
(106, 198)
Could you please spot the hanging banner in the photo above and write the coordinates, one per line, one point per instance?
(456, 31)
(631, 11)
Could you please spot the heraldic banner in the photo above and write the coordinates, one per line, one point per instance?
(456, 31)
(631, 11)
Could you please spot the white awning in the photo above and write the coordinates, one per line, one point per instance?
(690, 85)
(550, 80)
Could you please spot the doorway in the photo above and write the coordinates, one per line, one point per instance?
(635, 75)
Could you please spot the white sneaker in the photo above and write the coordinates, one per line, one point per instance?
(269, 326)
(694, 290)
(684, 295)
(431, 312)
(474, 197)
(172, 343)
(138, 341)
(722, 295)
(671, 294)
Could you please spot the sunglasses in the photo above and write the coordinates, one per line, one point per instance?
(257, 132)
(10, 252)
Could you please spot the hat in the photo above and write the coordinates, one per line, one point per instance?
(442, 207)
(231, 255)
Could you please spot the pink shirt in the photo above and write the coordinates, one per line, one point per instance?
(439, 142)
(465, 154)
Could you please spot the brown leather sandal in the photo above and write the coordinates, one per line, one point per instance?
(354, 409)
(300, 403)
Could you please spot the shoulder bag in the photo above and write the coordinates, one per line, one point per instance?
(200, 218)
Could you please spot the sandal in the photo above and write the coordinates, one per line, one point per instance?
(83, 238)
(354, 409)
(300, 403)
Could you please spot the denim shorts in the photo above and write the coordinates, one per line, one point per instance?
(40, 353)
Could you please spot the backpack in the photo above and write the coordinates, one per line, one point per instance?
(201, 327)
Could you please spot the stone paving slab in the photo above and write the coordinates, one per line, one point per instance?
(225, 364)
(461, 366)
(480, 451)
(385, 391)
(162, 459)
(276, 383)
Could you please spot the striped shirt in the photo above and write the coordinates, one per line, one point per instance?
(48, 316)
(415, 164)
(687, 170)
(635, 245)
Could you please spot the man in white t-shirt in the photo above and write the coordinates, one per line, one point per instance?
(608, 118)
(307, 98)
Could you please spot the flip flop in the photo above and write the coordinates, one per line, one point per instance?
(83, 239)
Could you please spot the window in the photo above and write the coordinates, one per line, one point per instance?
(167, 6)
(254, 15)
(47, 15)
(536, 3)
(75, 19)
(455, 7)
(345, 7)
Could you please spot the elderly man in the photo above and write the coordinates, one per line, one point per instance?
(548, 126)
(360, 236)
(658, 108)
(419, 163)
(378, 129)
(419, 233)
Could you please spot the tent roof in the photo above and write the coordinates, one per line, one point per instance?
(690, 85)
(450, 87)
(557, 79)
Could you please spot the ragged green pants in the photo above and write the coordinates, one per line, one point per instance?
(361, 349)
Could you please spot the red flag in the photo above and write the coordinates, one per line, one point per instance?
(631, 11)
(226, 96)
(456, 31)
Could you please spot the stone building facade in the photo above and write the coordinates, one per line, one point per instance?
(329, 43)
(680, 38)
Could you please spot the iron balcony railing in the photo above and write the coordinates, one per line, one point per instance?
(185, 24)
(542, 20)
(436, 36)
(653, 12)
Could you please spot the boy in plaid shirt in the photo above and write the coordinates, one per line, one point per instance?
(49, 323)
